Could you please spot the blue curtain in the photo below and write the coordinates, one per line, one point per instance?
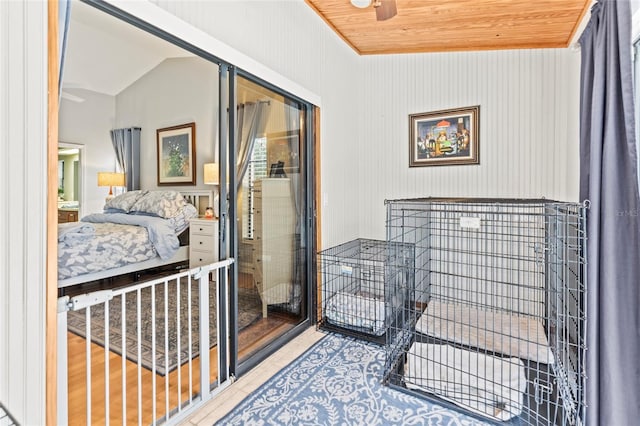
(64, 11)
(292, 122)
(608, 178)
(126, 144)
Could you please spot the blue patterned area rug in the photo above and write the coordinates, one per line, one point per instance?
(338, 382)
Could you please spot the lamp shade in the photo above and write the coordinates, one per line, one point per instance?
(110, 179)
(211, 174)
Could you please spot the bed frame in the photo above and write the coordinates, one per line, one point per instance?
(201, 199)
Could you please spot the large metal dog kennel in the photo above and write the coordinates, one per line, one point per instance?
(495, 321)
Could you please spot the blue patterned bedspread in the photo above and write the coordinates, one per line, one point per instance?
(106, 241)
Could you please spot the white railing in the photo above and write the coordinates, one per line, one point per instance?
(149, 367)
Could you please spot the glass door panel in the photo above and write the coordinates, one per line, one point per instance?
(271, 215)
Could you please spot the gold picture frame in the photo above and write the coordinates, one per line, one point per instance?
(176, 153)
(446, 137)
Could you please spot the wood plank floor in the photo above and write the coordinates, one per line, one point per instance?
(178, 386)
(138, 384)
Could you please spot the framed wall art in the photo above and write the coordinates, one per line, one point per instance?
(446, 137)
(177, 155)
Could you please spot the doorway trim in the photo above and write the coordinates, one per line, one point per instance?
(51, 263)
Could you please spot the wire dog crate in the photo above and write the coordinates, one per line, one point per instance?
(495, 320)
(355, 276)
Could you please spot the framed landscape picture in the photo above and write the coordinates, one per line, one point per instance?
(446, 137)
(177, 155)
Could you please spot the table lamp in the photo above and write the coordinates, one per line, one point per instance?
(212, 177)
(110, 179)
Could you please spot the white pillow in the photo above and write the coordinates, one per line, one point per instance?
(124, 201)
(165, 204)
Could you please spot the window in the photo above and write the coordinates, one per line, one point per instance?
(257, 169)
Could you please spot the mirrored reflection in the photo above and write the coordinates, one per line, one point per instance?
(270, 207)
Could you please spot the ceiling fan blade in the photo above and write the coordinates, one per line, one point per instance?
(387, 9)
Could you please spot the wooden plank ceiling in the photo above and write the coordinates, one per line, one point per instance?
(455, 25)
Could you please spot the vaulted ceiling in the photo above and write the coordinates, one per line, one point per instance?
(455, 25)
(105, 54)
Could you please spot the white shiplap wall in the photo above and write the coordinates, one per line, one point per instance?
(528, 126)
(23, 130)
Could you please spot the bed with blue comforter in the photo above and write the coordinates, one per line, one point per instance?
(135, 227)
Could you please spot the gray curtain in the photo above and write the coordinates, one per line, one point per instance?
(252, 119)
(608, 178)
(292, 119)
(64, 12)
(636, 93)
(126, 144)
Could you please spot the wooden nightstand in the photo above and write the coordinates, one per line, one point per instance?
(203, 241)
(65, 215)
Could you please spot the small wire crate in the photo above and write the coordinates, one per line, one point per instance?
(362, 280)
(495, 321)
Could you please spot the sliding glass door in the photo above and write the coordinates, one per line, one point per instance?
(257, 137)
(271, 216)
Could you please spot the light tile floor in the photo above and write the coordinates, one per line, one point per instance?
(226, 400)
